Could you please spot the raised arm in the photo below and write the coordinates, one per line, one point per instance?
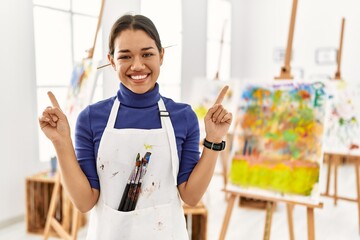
(53, 122)
(217, 123)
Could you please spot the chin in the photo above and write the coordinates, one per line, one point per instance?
(140, 90)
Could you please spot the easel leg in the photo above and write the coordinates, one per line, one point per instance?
(225, 160)
(357, 187)
(311, 223)
(224, 157)
(290, 208)
(328, 176)
(336, 162)
(229, 209)
(268, 219)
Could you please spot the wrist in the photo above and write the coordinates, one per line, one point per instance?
(62, 142)
(212, 139)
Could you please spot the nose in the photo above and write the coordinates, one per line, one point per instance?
(137, 65)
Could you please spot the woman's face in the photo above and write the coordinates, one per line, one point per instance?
(136, 60)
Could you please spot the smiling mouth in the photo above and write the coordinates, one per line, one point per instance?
(139, 77)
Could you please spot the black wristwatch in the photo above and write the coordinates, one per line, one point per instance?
(214, 146)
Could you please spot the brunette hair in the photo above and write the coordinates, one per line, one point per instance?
(133, 22)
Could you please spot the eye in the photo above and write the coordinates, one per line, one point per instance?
(147, 55)
(124, 57)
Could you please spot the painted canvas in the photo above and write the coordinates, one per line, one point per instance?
(277, 150)
(204, 93)
(81, 88)
(342, 135)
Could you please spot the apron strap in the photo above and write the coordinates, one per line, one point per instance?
(113, 114)
(166, 122)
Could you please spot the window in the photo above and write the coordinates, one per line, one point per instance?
(218, 39)
(64, 31)
(168, 23)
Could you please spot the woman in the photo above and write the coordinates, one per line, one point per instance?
(111, 133)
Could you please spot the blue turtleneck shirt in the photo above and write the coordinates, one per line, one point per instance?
(92, 121)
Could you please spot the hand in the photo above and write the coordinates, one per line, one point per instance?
(217, 119)
(53, 122)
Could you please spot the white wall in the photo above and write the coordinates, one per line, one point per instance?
(193, 44)
(260, 26)
(18, 147)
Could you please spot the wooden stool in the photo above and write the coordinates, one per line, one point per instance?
(198, 217)
(62, 229)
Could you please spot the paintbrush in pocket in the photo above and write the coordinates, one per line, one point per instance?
(128, 184)
(144, 164)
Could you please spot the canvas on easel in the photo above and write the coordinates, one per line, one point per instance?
(342, 132)
(270, 161)
(278, 140)
(343, 128)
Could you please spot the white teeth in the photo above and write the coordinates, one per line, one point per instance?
(138, 77)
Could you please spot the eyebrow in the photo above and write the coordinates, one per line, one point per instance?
(127, 50)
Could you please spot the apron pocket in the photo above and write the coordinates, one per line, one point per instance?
(148, 223)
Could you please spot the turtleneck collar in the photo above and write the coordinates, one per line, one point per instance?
(132, 99)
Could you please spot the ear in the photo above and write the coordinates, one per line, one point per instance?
(162, 56)
(111, 60)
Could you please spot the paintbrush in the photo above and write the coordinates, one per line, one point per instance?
(130, 195)
(131, 177)
(144, 164)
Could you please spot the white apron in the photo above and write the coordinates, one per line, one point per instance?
(158, 213)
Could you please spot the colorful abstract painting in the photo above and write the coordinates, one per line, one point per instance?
(342, 135)
(278, 141)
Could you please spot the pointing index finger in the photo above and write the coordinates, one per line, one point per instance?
(53, 100)
(222, 94)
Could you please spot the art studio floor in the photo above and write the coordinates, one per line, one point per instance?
(331, 222)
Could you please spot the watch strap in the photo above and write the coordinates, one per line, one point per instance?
(214, 146)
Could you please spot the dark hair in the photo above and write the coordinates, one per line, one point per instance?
(133, 22)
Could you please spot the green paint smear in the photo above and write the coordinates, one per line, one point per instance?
(279, 178)
(272, 136)
(341, 121)
(307, 114)
(290, 136)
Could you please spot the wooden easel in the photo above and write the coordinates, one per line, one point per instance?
(329, 156)
(51, 222)
(334, 160)
(221, 50)
(338, 58)
(269, 211)
(224, 155)
(285, 74)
